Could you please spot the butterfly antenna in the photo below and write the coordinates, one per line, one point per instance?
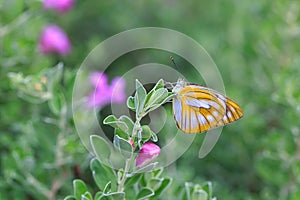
(172, 60)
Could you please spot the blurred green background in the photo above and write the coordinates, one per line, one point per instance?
(255, 44)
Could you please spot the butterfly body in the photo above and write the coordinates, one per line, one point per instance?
(197, 108)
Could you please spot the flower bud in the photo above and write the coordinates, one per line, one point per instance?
(54, 39)
(148, 152)
(131, 142)
(60, 6)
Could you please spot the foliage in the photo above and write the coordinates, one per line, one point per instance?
(132, 181)
(255, 44)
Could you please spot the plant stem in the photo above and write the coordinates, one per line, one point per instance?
(58, 181)
(124, 177)
(136, 129)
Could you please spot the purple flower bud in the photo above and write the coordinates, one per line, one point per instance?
(148, 152)
(60, 6)
(54, 39)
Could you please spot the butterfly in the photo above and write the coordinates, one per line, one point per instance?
(198, 109)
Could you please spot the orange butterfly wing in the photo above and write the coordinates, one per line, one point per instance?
(198, 109)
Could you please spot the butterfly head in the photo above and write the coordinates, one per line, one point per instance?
(181, 83)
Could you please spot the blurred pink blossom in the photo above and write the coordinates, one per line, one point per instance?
(118, 90)
(104, 93)
(54, 39)
(148, 152)
(60, 6)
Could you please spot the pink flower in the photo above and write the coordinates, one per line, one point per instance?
(104, 93)
(148, 152)
(54, 39)
(60, 6)
(118, 87)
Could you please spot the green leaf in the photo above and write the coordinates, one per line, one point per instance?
(147, 133)
(139, 98)
(208, 188)
(121, 134)
(69, 198)
(156, 97)
(130, 193)
(164, 184)
(115, 123)
(128, 122)
(149, 95)
(101, 148)
(187, 187)
(197, 187)
(199, 195)
(115, 196)
(87, 196)
(131, 103)
(123, 146)
(84, 197)
(147, 168)
(98, 195)
(160, 102)
(130, 181)
(79, 188)
(154, 137)
(157, 172)
(158, 85)
(103, 174)
(107, 188)
(155, 183)
(145, 193)
(144, 180)
(57, 102)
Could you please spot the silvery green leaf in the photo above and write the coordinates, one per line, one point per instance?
(128, 122)
(188, 186)
(147, 168)
(79, 188)
(123, 146)
(147, 133)
(131, 103)
(156, 97)
(145, 193)
(116, 123)
(114, 196)
(103, 174)
(161, 101)
(158, 85)
(164, 184)
(101, 148)
(208, 188)
(139, 98)
(199, 195)
(86, 196)
(107, 188)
